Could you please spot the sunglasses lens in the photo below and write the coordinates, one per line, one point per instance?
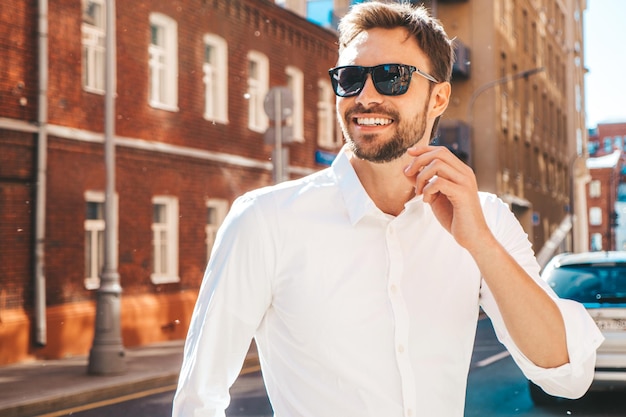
(391, 79)
(348, 81)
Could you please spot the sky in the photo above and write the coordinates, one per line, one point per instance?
(605, 58)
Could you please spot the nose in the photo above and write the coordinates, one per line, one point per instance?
(368, 94)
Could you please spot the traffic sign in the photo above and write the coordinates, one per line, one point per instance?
(278, 103)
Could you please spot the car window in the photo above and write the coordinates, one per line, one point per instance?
(603, 283)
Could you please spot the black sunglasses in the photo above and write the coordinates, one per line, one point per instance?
(389, 79)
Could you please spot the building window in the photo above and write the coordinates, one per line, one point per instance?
(216, 210)
(326, 137)
(94, 36)
(608, 145)
(94, 238)
(258, 82)
(596, 241)
(164, 240)
(163, 52)
(595, 216)
(215, 78)
(595, 188)
(295, 82)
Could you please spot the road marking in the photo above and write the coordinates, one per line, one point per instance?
(492, 359)
(128, 397)
(111, 401)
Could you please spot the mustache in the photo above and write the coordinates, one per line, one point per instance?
(377, 109)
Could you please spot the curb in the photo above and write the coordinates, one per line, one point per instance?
(69, 400)
(107, 391)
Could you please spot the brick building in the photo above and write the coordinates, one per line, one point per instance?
(191, 79)
(606, 192)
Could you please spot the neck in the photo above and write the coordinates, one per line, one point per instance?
(385, 183)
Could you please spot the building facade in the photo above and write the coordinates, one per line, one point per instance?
(190, 137)
(606, 192)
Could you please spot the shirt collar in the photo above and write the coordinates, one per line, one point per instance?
(358, 202)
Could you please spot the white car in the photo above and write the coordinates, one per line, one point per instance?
(598, 281)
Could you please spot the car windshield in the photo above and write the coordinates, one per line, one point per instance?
(590, 283)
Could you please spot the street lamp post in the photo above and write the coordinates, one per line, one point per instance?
(107, 352)
(491, 84)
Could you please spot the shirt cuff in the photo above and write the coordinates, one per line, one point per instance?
(571, 380)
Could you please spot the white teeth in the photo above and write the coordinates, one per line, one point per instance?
(373, 121)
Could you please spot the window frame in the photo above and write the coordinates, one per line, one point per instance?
(256, 92)
(93, 49)
(98, 226)
(210, 229)
(326, 116)
(295, 82)
(215, 79)
(595, 216)
(170, 228)
(163, 90)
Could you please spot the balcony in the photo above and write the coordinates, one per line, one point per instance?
(462, 63)
(455, 135)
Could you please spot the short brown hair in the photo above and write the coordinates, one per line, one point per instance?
(427, 31)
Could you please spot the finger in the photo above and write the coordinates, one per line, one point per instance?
(438, 169)
(424, 155)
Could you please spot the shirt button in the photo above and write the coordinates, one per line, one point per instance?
(393, 289)
(409, 412)
(401, 348)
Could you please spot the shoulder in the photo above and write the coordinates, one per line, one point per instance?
(288, 193)
(497, 212)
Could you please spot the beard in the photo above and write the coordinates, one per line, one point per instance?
(407, 133)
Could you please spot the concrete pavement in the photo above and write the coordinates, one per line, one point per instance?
(46, 387)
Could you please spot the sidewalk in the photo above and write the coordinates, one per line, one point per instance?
(39, 387)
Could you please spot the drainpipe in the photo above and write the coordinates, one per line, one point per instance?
(40, 199)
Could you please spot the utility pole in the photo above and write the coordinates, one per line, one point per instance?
(107, 352)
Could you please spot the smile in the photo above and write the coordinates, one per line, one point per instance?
(373, 121)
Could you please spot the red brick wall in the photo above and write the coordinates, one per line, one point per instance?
(18, 70)
(609, 179)
(76, 166)
(16, 211)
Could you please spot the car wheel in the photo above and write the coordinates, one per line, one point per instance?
(539, 396)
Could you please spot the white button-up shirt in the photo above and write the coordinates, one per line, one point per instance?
(355, 312)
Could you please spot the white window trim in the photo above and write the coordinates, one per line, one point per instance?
(257, 119)
(296, 120)
(595, 216)
(326, 120)
(93, 60)
(217, 81)
(171, 228)
(93, 227)
(595, 188)
(210, 229)
(96, 225)
(167, 98)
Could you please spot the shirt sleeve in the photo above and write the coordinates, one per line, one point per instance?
(233, 297)
(583, 337)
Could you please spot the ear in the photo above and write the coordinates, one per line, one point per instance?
(439, 99)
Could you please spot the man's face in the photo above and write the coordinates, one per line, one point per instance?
(377, 127)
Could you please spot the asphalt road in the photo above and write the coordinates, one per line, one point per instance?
(496, 388)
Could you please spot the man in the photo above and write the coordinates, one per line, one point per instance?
(362, 283)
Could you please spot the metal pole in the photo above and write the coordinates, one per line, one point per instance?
(490, 84)
(41, 327)
(107, 353)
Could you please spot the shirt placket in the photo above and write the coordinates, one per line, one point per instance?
(401, 318)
